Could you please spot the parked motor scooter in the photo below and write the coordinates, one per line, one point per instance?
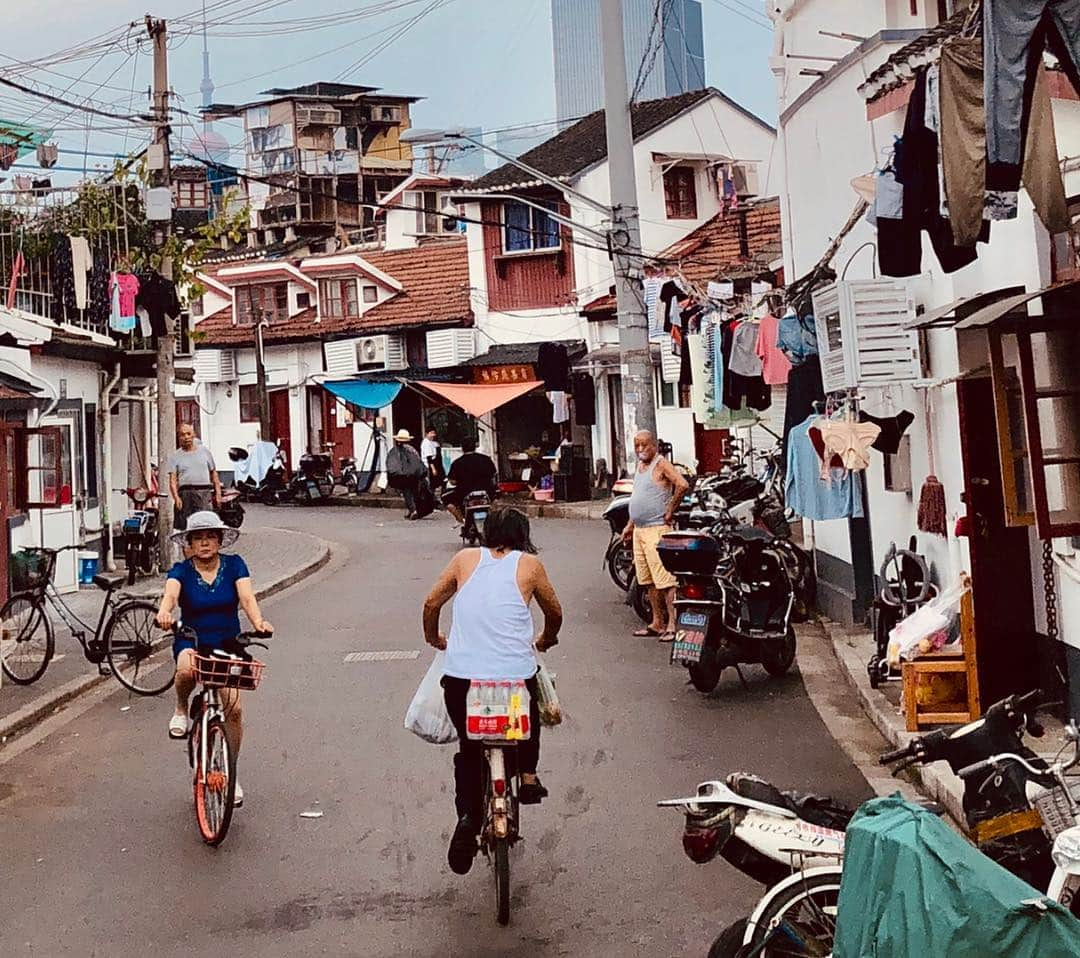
(350, 476)
(142, 555)
(259, 473)
(313, 481)
(733, 602)
(230, 509)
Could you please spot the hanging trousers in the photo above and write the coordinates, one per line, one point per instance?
(1014, 34)
(963, 141)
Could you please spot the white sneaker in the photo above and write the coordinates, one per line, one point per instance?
(178, 726)
(238, 796)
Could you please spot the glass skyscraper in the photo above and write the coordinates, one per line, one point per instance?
(679, 65)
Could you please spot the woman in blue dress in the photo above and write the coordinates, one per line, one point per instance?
(210, 588)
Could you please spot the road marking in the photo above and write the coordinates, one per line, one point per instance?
(394, 655)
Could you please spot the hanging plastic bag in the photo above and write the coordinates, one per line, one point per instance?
(546, 698)
(427, 715)
(924, 626)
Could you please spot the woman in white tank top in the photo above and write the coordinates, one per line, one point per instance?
(491, 638)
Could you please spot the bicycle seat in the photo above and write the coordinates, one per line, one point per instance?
(109, 580)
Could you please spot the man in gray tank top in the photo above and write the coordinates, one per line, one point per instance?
(658, 489)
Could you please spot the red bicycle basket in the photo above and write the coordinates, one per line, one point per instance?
(228, 673)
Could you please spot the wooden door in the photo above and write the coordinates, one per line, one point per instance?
(340, 435)
(1008, 653)
(709, 447)
(280, 423)
(187, 414)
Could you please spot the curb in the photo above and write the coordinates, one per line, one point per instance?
(934, 783)
(53, 701)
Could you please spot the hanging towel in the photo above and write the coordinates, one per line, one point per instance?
(47, 155)
(81, 264)
(553, 367)
(651, 289)
(560, 407)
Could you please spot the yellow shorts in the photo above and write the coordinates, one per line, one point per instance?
(650, 570)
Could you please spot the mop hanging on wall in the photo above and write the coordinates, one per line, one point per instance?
(932, 509)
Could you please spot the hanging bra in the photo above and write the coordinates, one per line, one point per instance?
(850, 440)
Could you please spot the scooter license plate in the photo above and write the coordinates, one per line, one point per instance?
(687, 646)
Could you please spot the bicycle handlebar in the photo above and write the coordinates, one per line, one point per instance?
(897, 754)
(1039, 774)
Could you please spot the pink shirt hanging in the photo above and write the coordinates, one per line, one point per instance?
(775, 366)
(129, 288)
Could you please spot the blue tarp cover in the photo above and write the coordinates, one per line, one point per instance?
(364, 394)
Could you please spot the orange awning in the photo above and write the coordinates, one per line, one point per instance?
(481, 399)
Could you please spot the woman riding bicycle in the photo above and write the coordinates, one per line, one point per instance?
(491, 638)
(209, 587)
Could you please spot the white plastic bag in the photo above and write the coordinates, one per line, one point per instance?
(427, 715)
(938, 615)
(546, 698)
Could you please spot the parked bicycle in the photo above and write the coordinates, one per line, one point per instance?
(124, 641)
(209, 753)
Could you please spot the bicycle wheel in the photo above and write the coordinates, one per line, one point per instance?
(215, 784)
(801, 920)
(500, 861)
(131, 640)
(26, 639)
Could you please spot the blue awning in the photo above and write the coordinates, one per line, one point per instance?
(367, 395)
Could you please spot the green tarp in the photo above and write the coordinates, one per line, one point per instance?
(913, 887)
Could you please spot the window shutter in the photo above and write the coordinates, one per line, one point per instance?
(861, 337)
(341, 357)
(396, 357)
(450, 347)
(215, 366)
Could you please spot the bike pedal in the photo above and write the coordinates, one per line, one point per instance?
(104, 668)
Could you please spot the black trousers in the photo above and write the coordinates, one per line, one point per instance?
(469, 761)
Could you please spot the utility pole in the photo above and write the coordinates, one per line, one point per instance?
(639, 404)
(166, 348)
(265, 428)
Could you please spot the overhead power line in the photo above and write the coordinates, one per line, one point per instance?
(74, 106)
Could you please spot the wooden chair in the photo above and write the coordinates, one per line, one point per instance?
(964, 663)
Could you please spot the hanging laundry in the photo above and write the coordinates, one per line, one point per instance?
(47, 155)
(128, 286)
(797, 337)
(669, 293)
(963, 139)
(553, 367)
(40, 186)
(560, 406)
(744, 358)
(888, 196)
(81, 264)
(145, 328)
(118, 322)
(64, 277)
(807, 493)
(157, 296)
(775, 366)
(804, 388)
(1013, 34)
(584, 393)
(933, 124)
(100, 291)
(697, 358)
(670, 362)
(16, 271)
(848, 439)
(742, 390)
(651, 291)
(8, 155)
(892, 429)
(22, 184)
(720, 291)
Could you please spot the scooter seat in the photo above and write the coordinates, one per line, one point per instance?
(815, 809)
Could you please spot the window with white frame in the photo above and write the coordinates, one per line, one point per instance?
(428, 206)
(371, 294)
(527, 228)
(265, 301)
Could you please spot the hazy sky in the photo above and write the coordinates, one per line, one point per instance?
(476, 62)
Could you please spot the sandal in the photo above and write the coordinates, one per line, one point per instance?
(667, 637)
(532, 793)
(647, 632)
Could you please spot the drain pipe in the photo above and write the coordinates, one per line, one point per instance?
(105, 480)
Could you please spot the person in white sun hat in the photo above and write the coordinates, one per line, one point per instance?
(209, 588)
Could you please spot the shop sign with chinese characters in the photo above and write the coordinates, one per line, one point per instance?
(501, 375)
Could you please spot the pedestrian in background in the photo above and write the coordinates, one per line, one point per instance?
(193, 478)
(405, 470)
(431, 454)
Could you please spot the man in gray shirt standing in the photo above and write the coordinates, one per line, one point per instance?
(193, 478)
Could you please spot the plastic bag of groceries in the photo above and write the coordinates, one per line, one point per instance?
(546, 698)
(916, 635)
(427, 715)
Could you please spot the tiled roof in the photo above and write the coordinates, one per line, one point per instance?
(584, 144)
(713, 250)
(901, 66)
(510, 354)
(435, 277)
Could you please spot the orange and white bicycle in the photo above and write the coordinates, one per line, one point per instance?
(209, 754)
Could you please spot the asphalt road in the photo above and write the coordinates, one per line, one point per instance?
(100, 853)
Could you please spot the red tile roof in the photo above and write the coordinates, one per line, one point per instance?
(713, 250)
(435, 277)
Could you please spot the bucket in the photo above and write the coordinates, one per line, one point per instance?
(88, 567)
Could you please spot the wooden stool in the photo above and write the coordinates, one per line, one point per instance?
(959, 711)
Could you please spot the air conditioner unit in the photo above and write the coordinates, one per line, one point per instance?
(317, 116)
(861, 337)
(450, 347)
(382, 352)
(215, 366)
